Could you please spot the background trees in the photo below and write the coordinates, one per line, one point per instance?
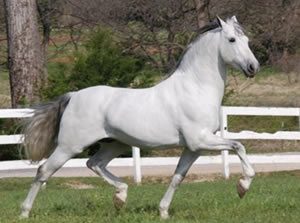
(155, 32)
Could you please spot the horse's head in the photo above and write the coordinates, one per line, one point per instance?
(234, 47)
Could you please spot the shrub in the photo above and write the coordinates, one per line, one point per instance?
(58, 75)
(101, 62)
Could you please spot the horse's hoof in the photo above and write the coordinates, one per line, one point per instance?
(240, 189)
(163, 214)
(119, 201)
(44, 186)
(24, 212)
(24, 215)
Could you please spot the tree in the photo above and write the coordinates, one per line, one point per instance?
(25, 55)
(202, 9)
(160, 30)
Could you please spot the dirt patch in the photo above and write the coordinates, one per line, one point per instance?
(62, 59)
(202, 178)
(79, 185)
(190, 178)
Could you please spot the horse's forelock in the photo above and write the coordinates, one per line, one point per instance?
(239, 30)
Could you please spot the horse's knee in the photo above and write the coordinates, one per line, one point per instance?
(42, 175)
(93, 162)
(176, 180)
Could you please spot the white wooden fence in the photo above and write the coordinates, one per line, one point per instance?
(256, 111)
(136, 162)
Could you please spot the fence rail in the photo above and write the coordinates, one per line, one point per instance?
(13, 113)
(136, 162)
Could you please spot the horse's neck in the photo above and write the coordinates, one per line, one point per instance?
(203, 66)
(202, 61)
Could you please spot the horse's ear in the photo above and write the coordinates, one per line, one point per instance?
(220, 22)
(234, 19)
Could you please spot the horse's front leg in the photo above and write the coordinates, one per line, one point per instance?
(186, 160)
(244, 183)
(209, 141)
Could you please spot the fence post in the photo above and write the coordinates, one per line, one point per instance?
(137, 174)
(223, 130)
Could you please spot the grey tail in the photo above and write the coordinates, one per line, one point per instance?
(41, 130)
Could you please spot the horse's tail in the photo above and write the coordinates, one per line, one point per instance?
(41, 130)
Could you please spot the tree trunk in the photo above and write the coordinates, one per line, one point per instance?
(45, 10)
(202, 12)
(25, 56)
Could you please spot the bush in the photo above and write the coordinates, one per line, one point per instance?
(101, 62)
(58, 75)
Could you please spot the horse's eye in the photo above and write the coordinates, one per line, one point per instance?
(232, 40)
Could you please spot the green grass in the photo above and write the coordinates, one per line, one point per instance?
(265, 71)
(4, 82)
(273, 198)
(4, 88)
(270, 124)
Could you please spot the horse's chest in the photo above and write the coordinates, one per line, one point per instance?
(202, 116)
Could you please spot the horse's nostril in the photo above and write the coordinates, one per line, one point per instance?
(251, 68)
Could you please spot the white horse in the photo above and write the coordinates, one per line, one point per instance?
(181, 111)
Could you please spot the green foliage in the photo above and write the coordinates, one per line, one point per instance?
(57, 80)
(101, 62)
(9, 152)
(104, 63)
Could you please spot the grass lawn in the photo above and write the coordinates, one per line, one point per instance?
(273, 198)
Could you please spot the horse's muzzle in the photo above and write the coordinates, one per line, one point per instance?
(251, 70)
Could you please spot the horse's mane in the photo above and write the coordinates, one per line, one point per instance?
(210, 26)
(206, 28)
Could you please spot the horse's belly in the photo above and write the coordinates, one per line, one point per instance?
(147, 133)
(147, 140)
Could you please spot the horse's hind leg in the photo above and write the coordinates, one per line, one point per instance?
(98, 164)
(55, 161)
